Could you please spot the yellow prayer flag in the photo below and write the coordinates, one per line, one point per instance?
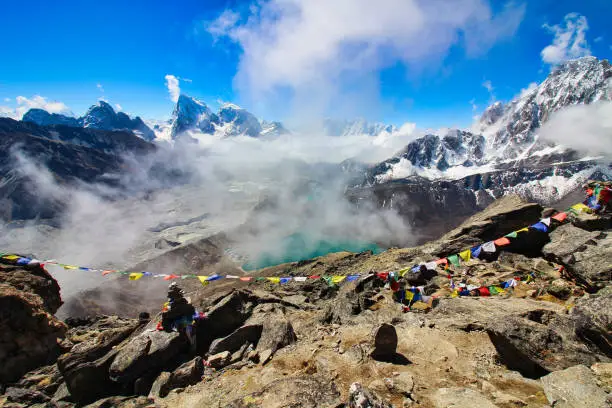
(455, 294)
(11, 257)
(337, 278)
(580, 207)
(402, 272)
(136, 275)
(273, 279)
(70, 267)
(203, 279)
(523, 230)
(409, 295)
(466, 255)
(499, 290)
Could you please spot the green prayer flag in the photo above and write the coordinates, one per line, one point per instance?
(454, 259)
(513, 234)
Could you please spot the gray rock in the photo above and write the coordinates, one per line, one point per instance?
(400, 384)
(160, 387)
(574, 387)
(265, 356)
(361, 397)
(85, 367)
(21, 395)
(458, 397)
(219, 360)
(277, 333)
(567, 239)
(235, 340)
(62, 393)
(384, 344)
(224, 317)
(146, 353)
(591, 222)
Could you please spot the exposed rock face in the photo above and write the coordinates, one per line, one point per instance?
(360, 397)
(43, 118)
(29, 337)
(574, 387)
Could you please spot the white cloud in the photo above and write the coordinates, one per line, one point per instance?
(40, 102)
(488, 86)
(7, 99)
(172, 83)
(6, 112)
(569, 40)
(598, 39)
(530, 88)
(100, 87)
(320, 46)
(119, 107)
(586, 128)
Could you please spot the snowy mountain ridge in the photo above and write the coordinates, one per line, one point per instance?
(506, 134)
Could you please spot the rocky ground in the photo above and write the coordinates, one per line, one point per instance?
(543, 343)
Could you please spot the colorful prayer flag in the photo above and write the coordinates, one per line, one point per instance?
(351, 278)
(502, 241)
(300, 278)
(488, 247)
(454, 259)
(466, 255)
(135, 276)
(11, 257)
(545, 221)
(431, 265)
(246, 278)
(513, 234)
(540, 227)
(69, 267)
(273, 279)
(337, 279)
(560, 217)
(285, 280)
(442, 261)
(476, 251)
(203, 279)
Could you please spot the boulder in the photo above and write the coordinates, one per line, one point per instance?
(384, 342)
(161, 385)
(361, 397)
(567, 239)
(219, 360)
(85, 367)
(29, 297)
(591, 222)
(574, 387)
(458, 397)
(310, 391)
(237, 339)
(25, 396)
(227, 315)
(503, 216)
(187, 374)
(277, 333)
(148, 353)
(29, 335)
(592, 265)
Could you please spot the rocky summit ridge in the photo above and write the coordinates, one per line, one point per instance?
(544, 341)
(100, 116)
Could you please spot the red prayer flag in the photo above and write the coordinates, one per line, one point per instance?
(315, 277)
(501, 242)
(560, 216)
(169, 277)
(246, 278)
(442, 261)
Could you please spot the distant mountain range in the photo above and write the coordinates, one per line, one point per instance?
(501, 153)
(101, 116)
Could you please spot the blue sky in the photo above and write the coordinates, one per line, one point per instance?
(63, 50)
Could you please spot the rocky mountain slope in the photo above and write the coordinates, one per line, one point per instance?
(543, 342)
(504, 145)
(231, 120)
(100, 116)
(71, 154)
